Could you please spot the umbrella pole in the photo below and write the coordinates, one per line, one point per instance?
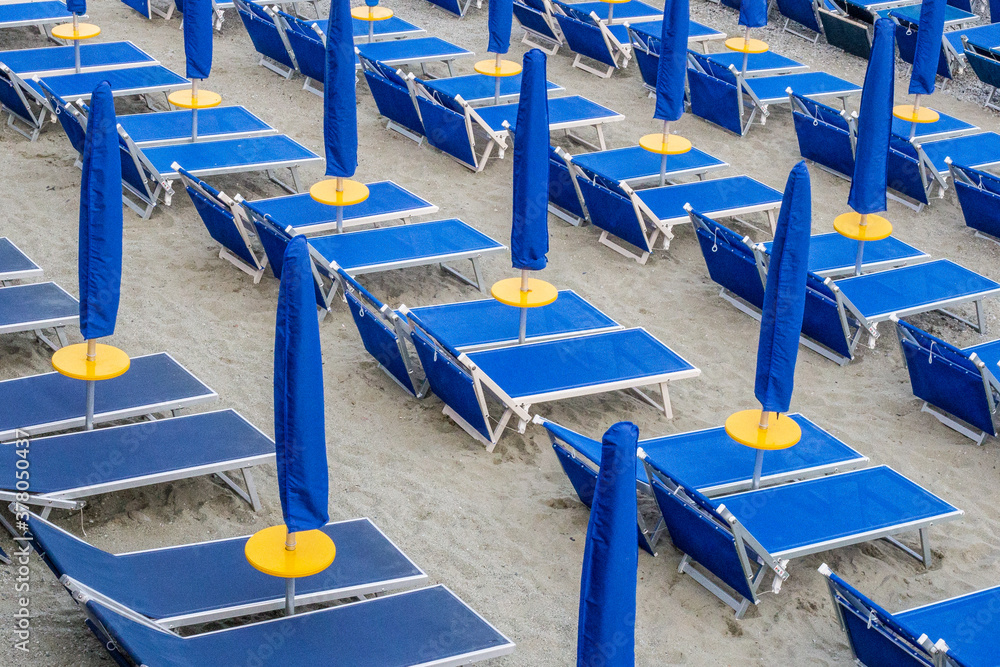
(663, 158)
(861, 245)
(916, 109)
(496, 85)
(758, 465)
(194, 109)
(523, 327)
(91, 357)
(371, 24)
(746, 50)
(340, 209)
(76, 42)
(290, 582)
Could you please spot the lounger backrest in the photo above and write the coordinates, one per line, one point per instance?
(821, 320)
(846, 33)
(219, 219)
(66, 554)
(945, 377)
(12, 96)
(878, 639)
(585, 38)
(448, 378)
(714, 94)
(69, 118)
(824, 136)
(986, 67)
(274, 239)
(562, 191)
(802, 12)
(569, 10)
(731, 264)
(534, 20)
(263, 33)
(905, 171)
(309, 51)
(393, 101)
(697, 529)
(979, 196)
(646, 51)
(452, 6)
(447, 131)
(906, 41)
(614, 213)
(137, 175)
(537, 5)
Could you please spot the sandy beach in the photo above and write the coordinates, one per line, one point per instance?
(503, 530)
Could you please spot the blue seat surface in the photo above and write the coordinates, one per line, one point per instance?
(944, 125)
(636, 163)
(970, 150)
(29, 12)
(13, 260)
(422, 626)
(479, 87)
(171, 125)
(794, 516)
(831, 252)
(715, 196)
(409, 50)
(575, 363)
(952, 15)
(79, 86)
(486, 322)
(561, 110)
(695, 29)
(302, 211)
(194, 578)
(968, 624)
(151, 380)
(771, 89)
(35, 302)
(983, 36)
(877, 295)
(756, 62)
(50, 58)
(423, 240)
(61, 463)
(392, 26)
(989, 353)
(632, 9)
(709, 458)
(255, 152)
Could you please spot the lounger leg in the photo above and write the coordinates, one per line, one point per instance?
(980, 316)
(738, 603)
(477, 283)
(925, 548)
(250, 495)
(603, 239)
(975, 435)
(665, 395)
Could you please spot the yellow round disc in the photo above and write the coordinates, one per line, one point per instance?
(909, 114)
(71, 361)
(206, 99)
(314, 552)
(746, 45)
(675, 145)
(615, 2)
(325, 192)
(489, 68)
(781, 433)
(540, 293)
(83, 31)
(365, 13)
(849, 225)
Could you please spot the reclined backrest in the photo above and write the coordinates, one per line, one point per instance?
(534, 20)
(646, 51)
(821, 318)
(945, 377)
(377, 335)
(876, 636)
(823, 134)
(714, 94)
(985, 66)
(219, 219)
(307, 46)
(274, 239)
(447, 130)
(392, 97)
(906, 40)
(448, 378)
(846, 33)
(904, 170)
(137, 177)
(731, 264)
(64, 553)
(452, 6)
(69, 118)
(697, 529)
(584, 37)
(802, 12)
(614, 213)
(263, 33)
(562, 191)
(979, 196)
(537, 5)
(858, 12)
(12, 96)
(569, 10)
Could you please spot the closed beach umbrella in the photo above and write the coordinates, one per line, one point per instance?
(299, 422)
(529, 236)
(501, 15)
(606, 630)
(78, 7)
(671, 72)
(875, 124)
(928, 50)
(198, 18)
(100, 258)
(753, 13)
(340, 115)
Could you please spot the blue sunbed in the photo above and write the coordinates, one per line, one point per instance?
(51, 60)
(209, 581)
(632, 11)
(456, 7)
(636, 166)
(267, 38)
(386, 201)
(420, 51)
(421, 628)
(803, 13)
(979, 196)
(520, 376)
(393, 99)
(974, 150)
(36, 307)
(832, 254)
(540, 28)
(14, 264)
(589, 37)
(168, 127)
(127, 81)
(477, 89)
(39, 13)
(953, 16)
(565, 113)
(68, 469)
(50, 402)
(708, 459)
(945, 126)
(966, 628)
(741, 538)
(697, 33)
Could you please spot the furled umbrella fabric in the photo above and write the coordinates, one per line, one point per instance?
(198, 18)
(928, 50)
(340, 114)
(606, 630)
(78, 7)
(672, 68)
(101, 221)
(875, 124)
(753, 13)
(529, 237)
(785, 295)
(500, 18)
(994, 11)
(299, 422)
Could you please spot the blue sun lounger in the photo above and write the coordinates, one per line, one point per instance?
(480, 89)
(210, 581)
(985, 64)
(709, 459)
(698, 33)
(49, 402)
(632, 11)
(419, 51)
(832, 254)
(523, 375)
(174, 127)
(267, 38)
(422, 628)
(541, 31)
(393, 99)
(959, 386)
(40, 14)
(636, 166)
(14, 264)
(456, 7)
(847, 26)
(52, 60)
(804, 13)
(640, 217)
(588, 37)
(979, 196)
(36, 307)
(386, 202)
(919, 169)
(68, 469)
(148, 172)
(965, 626)
(738, 539)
